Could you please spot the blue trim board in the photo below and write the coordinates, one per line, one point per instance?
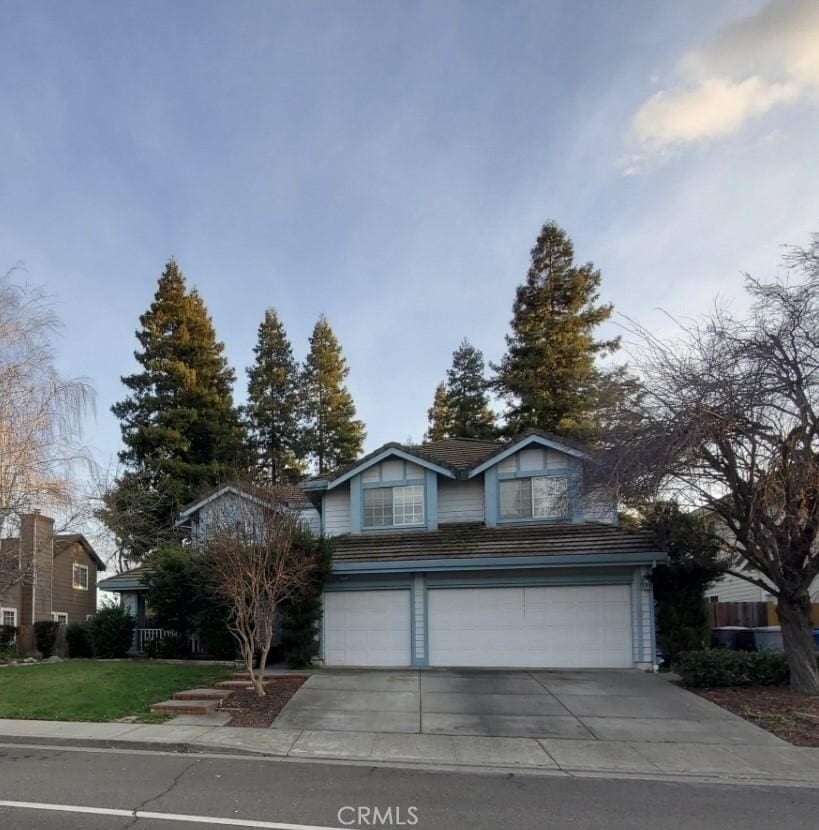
(431, 500)
(356, 505)
(426, 621)
(498, 562)
(491, 497)
(519, 445)
(651, 623)
(122, 586)
(392, 451)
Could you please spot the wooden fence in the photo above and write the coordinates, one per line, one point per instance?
(744, 614)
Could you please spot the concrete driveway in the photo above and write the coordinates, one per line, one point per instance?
(596, 705)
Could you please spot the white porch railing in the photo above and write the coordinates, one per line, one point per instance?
(143, 636)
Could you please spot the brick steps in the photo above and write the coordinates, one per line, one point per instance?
(203, 694)
(185, 707)
(234, 684)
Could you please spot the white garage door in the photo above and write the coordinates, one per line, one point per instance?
(367, 628)
(569, 627)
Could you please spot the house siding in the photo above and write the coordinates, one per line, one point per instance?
(67, 599)
(460, 501)
(337, 511)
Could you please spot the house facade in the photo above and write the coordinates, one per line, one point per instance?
(58, 575)
(481, 554)
(465, 553)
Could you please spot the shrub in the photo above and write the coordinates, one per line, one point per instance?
(77, 640)
(8, 636)
(301, 614)
(111, 632)
(169, 647)
(45, 635)
(723, 667)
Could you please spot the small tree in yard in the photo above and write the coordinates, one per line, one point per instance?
(728, 417)
(254, 564)
(694, 563)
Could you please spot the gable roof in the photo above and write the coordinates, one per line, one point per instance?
(63, 541)
(287, 493)
(452, 457)
(129, 580)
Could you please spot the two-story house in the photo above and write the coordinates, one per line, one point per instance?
(468, 553)
(481, 553)
(57, 574)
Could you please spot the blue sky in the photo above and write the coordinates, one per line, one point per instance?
(390, 164)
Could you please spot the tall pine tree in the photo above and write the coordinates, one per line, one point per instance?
(273, 410)
(549, 375)
(439, 415)
(179, 426)
(332, 435)
(461, 407)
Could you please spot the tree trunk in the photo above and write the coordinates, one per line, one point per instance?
(797, 637)
(258, 679)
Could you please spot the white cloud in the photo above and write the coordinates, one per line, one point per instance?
(748, 69)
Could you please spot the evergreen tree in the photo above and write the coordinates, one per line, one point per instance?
(332, 435)
(461, 407)
(439, 416)
(273, 410)
(180, 429)
(548, 374)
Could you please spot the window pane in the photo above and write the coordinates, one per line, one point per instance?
(377, 506)
(550, 497)
(408, 505)
(516, 498)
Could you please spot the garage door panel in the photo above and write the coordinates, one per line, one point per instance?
(571, 626)
(367, 628)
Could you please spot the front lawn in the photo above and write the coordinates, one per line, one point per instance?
(97, 690)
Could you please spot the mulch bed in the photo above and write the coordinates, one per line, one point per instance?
(248, 709)
(791, 716)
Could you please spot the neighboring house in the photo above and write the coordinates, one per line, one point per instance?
(731, 588)
(475, 553)
(222, 507)
(59, 579)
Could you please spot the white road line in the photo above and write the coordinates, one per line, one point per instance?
(67, 808)
(111, 811)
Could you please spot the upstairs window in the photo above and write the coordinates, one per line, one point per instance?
(80, 577)
(393, 506)
(539, 497)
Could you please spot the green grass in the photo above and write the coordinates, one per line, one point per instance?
(97, 690)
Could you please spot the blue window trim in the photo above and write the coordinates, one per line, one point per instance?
(428, 481)
(573, 484)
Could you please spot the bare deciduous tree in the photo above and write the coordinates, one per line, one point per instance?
(41, 414)
(257, 557)
(728, 419)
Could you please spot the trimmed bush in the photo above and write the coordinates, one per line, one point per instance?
(111, 632)
(77, 640)
(45, 635)
(8, 635)
(723, 667)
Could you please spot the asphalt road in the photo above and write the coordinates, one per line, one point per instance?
(282, 795)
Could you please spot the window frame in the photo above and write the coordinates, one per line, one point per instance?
(55, 617)
(78, 586)
(8, 609)
(566, 515)
(392, 487)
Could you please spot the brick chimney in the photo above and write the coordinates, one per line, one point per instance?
(36, 554)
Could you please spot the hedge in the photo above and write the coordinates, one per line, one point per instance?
(724, 667)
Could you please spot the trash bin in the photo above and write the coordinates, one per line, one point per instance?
(768, 638)
(734, 637)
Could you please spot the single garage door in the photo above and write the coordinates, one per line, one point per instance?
(567, 627)
(367, 628)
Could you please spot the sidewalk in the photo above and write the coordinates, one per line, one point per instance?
(728, 763)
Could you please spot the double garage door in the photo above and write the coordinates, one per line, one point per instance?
(571, 627)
